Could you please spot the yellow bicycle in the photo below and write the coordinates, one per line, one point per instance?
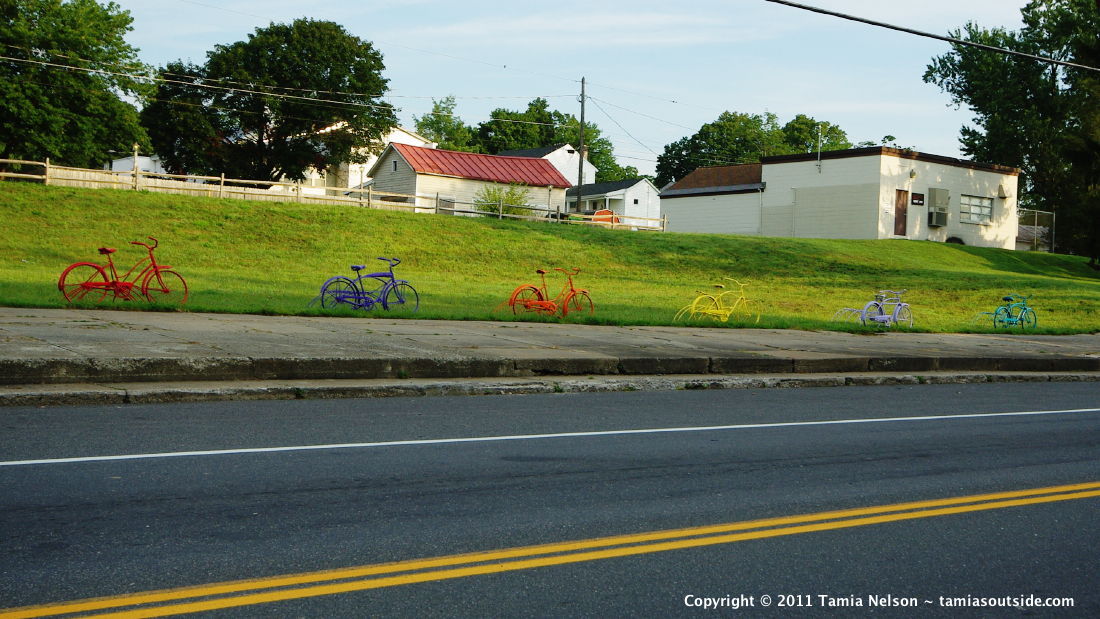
(721, 304)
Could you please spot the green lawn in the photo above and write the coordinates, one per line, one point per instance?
(260, 257)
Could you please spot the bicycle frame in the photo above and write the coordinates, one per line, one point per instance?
(875, 311)
(355, 292)
(715, 305)
(1015, 312)
(532, 298)
(143, 271)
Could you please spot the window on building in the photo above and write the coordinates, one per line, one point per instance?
(976, 210)
(635, 200)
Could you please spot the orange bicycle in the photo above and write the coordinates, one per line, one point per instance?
(529, 298)
(88, 281)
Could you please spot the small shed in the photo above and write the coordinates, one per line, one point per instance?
(427, 176)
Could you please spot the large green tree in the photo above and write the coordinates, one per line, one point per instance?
(1032, 114)
(292, 97)
(538, 126)
(74, 115)
(735, 138)
(446, 129)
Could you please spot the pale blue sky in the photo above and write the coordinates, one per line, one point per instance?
(660, 70)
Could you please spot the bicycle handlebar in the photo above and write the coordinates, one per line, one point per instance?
(393, 261)
(150, 248)
(575, 270)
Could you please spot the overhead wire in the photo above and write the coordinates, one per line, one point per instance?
(952, 40)
(232, 89)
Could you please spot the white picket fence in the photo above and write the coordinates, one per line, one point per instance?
(222, 187)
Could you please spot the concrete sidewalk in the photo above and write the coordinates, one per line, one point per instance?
(59, 350)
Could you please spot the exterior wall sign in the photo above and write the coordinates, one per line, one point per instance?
(918, 199)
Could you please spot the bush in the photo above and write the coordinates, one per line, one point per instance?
(513, 197)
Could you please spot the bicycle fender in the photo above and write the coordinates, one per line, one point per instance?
(98, 267)
(515, 293)
(332, 279)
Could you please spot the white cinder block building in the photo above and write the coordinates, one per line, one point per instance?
(862, 193)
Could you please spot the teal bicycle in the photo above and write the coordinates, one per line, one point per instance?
(1015, 313)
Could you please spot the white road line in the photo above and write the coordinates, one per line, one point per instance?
(524, 437)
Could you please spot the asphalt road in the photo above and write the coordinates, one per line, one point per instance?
(96, 526)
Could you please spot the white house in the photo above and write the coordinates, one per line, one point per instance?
(428, 177)
(563, 156)
(635, 201)
(151, 164)
(862, 193)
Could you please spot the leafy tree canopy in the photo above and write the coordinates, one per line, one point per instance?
(72, 116)
(744, 138)
(292, 97)
(445, 129)
(1034, 115)
(535, 127)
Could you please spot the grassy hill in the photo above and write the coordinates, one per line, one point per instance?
(254, 257)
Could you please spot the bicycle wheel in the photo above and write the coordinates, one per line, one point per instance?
(904, 316)
(83, 281)
(401, 296)
(708, 306)
(1000, 317)
(683, 314)
(165, 287)
(747, 310)
(522, 298)
(339, 290)
(872, 313)
(1028, 318)
(577, 302)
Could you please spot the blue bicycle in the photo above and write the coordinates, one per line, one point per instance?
(366, 290)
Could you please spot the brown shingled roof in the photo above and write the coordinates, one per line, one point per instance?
(720, 176)
(525, 170)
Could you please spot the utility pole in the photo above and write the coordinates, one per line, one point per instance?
(580, 151)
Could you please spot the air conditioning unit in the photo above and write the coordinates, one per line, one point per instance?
(937, 218)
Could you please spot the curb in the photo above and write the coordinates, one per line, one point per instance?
(208, 391)
(48, 371)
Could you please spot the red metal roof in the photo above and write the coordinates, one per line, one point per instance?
(494, 168)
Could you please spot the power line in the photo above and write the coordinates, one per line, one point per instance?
(620, 126)
(920, 33)
(667, 122)
(313, 101)
(132, 68)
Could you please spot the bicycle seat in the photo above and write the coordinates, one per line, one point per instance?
(1007, 299)
(357, 267)
(540, 271)
(107, 250)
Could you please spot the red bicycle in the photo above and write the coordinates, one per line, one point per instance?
(88, 281)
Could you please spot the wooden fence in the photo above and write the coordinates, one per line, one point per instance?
(222, 187)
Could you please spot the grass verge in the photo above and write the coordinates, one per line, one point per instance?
(271, 258)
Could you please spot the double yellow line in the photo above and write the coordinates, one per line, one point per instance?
(279, 588)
